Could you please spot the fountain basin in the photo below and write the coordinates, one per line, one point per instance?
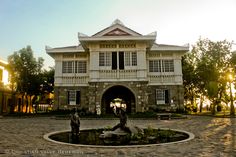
(90, 138)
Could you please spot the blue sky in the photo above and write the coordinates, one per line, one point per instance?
(56, 22)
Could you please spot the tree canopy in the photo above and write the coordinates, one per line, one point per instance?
(28, 76)
(205, 71)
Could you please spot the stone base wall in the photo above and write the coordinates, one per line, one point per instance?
(145, 96)
(61, 94)
(176, 96)
(97, 89)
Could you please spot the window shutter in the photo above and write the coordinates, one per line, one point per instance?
(167, 96)
(68, 97)
(77, 97)
(114, 60)
(121, 60)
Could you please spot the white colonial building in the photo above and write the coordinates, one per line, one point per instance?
(118, 62)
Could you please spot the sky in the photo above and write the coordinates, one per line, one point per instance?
(56, 23)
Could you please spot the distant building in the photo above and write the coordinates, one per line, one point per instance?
(5, 92)
(118, 62)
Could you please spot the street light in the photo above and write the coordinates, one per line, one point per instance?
(232, 110)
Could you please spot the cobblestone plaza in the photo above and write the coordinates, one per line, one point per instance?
(23, 137)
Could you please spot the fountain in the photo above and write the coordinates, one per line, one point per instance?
(121, 135)
(121, 132)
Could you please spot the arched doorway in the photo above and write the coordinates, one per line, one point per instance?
(120, 92)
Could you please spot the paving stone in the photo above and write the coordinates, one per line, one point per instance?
(24, 137)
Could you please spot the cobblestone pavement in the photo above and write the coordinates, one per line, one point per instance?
(23, 137)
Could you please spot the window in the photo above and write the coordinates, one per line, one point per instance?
(80, 66)
(127, 58)
(104, 59)
(101, 59)
(114, 61)
(74, 67)
(67, 67)
(73, 97)
(130, 59)
(161, 66)
(162, 96)
(134, 59)
(121, 60)
(155, 66)
(168, 65)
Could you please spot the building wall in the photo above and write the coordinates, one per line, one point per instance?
(176, 99)
(5, 92)
(142, 83)
(97, 80)
(5, 101)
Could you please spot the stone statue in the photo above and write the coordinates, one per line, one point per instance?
(75, 123)
(120, 112)
(121, 131)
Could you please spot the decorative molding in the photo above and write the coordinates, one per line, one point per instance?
(116, 32)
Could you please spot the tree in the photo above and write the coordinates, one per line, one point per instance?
(25, 70)
(210, 62)
(232, 79)
(190, 79)
(46, 86)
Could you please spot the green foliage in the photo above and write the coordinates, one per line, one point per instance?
(205, 70)
(108, 128)
(149, 131)
(137, 137)
(27, 75)
(165, 134)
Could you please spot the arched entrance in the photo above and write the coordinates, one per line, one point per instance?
(121, 92)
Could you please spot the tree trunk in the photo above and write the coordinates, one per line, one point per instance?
(27, 104)
(21, 104)
(201, 103)
(213, 109)
(30, 104)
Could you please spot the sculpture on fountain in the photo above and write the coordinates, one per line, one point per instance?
(120, 112)
(75, 123)
(122, 129)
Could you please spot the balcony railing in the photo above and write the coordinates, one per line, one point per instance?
(118, 74)
(165, 79)
(72, 80)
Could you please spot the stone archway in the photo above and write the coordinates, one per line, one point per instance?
(121, 92)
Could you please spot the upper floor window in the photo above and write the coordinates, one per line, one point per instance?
(104, 59)
(130, 58)
(74, 67)
(155, 66)
(80, 66)
(134, 59)
(67, 67)
(161, 65)
(168, 65)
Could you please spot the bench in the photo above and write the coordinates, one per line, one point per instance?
(159, 115)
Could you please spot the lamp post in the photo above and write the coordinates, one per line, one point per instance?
(232, 110)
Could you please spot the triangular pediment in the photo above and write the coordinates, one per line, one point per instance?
(116, 32)
(117, 29)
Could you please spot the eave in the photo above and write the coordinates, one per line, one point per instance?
(147, 38)
(164, 47)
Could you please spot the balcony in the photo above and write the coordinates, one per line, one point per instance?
(118, 74)
(165, 79)
(71, 81)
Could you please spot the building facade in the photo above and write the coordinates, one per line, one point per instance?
(118, 62)
(5, 90)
